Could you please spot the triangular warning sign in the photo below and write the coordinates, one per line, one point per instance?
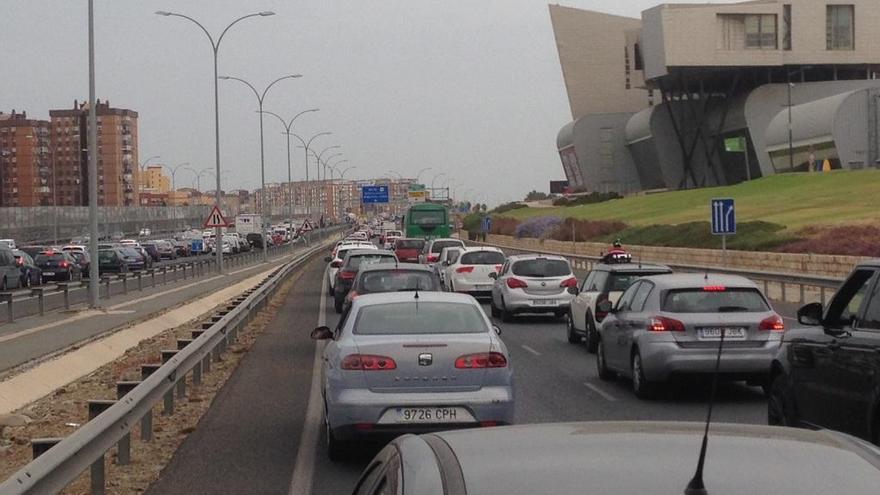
(306, 226)
(215, 219)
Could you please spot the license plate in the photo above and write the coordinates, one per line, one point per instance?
(49, 274)
(432, 415)
(544, 302)
(714, 333)
(482, 287)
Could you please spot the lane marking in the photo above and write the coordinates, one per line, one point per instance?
(536, 353)
(304, 467)
(605, 395)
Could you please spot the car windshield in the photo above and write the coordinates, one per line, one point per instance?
(409, 244)
(716, 300)
(42, 258)
(354, 262)
(619, 281)
(130, 252)
(414, 317)
(396, 280)
(427, 218)
(438, 246)
(482, 258)
(106, 256)
(541, 267)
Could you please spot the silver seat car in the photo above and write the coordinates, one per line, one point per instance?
(402, 362)
(532, 283)
(669, 325)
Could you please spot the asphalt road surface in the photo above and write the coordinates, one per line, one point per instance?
(260, 436)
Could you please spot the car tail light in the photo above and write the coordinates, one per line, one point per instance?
(63, 264)
(488, 423)
(663, 324)
(368, 362)
(347, 275)
(600, 315)
(433, 257)
(353, 294)
(772, 324)
(363, 426)
(498, 268)
(569, 282)
(336, 264)
(481, 360)
(714, 288)
(464, 269)
(19, 261)
(515, 283)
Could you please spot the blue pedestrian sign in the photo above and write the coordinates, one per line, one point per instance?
(723, 216)
(374, 194)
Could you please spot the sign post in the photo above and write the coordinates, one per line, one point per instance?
(723, 222)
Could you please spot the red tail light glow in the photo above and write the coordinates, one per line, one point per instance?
(663, 324)
(569, 282)
(464, 269)
(63, 264)
(433, 257)
(488, 423)
(19, 261)
(600, 315)
(481, 360)
(353, 294)
(368, 362)
(772, 324)
(498, 268)
(336, 264)
(347, 275)
(714, 288)
(515, 283)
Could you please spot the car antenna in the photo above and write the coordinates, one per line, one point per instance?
(696, 485)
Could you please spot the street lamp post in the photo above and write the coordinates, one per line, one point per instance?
(215, 46)
(306, 145)
(287, 126)
(399, 175)
(418, 175)
(174, 170)
(143, 167)
(441, 174)
(92, 166)
(318, 173)
(260, 98)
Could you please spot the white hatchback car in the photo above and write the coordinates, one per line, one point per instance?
(335, 262)
(533, 283)
(472, 271)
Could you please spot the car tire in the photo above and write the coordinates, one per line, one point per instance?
(592, 339)
(601, 367)
(641, 386)
(337, 303)
(506, 316)
(780, 408)
(573, 337)
(336, 450)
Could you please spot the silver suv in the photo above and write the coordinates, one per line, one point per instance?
(532, 283)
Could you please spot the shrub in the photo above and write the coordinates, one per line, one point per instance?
(538, 227)
(852, 240)
(504, 226)
(586, 230)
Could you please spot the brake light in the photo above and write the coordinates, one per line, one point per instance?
(353, 294)
(336, 264)
(19, 261)
(464, 269)
(481, 360)
(772, 324)
(368, 362)
(347, 275)
(515, 283)
(498, 268)
(714, 288)
(600, 315)
(487, 424)
(63, 264)
(433, 257)
(663, 324)
(569, 282)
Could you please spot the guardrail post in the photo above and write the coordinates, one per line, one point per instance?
(41, 303)
(782, 287)
(152, 277)
(124, 278)
(106, 280)
(7, 298)
(123, 448)
(183, 267)
(822, 295)
(96, 481)
(164, 275)
(140, 276)
(65, 289)
(197, 374)
(40, 446)
(167, 354)
(147, 420)
(766, 293)
(802, 293)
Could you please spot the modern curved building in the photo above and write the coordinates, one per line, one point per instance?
(657, 101)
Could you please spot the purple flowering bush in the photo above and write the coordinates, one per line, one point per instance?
(538, 227)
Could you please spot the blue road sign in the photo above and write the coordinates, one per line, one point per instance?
(723, 216)
(374, 194)
(197, 245)
(486, 224)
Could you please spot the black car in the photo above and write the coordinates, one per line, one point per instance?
(58, 265)
(84, 261)
(111, 260)
(152, 250)
(148, 260)
(30, 273)
(10, 274)
(354, 259)
(255, 240)
(391, 277)
(827, 373)
(133, 259)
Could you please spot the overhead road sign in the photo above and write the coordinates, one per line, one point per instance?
(723, 216)
(215, 219)
(418, 196)
(374, 194)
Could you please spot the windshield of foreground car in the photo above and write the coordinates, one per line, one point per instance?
(419, 318)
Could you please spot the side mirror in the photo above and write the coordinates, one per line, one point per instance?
(493, 275)
(322, 333)
(810, 315)
(573, 291)
(497, 329)
(605, 306)
(327, 259)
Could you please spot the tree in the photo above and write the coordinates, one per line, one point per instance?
(536, 196)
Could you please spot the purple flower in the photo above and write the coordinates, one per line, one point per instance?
(538, 227)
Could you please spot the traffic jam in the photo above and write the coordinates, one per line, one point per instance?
(419, 350)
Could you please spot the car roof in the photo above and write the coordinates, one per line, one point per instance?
(413, 267)
(660, 457)
(372, 299)
(351, 253)
(630, 267)
(687, 280)
(521, 257)
(476, 249)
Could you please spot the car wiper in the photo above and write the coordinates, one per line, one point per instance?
(731, 309)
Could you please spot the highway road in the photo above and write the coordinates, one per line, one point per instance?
(261, 436)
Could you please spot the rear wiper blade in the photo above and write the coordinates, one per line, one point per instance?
(731, 309)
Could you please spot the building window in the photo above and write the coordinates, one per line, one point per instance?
(786, 26)
(840, 27)
(747, 32)
(637, 54)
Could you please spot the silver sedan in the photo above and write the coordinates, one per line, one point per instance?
(413, 362)
(669, 325)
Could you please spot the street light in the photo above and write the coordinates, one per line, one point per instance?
(306, 145)
(441, 174)
(287, 127)
(174, 170)
(420, 173)
(342, 174)
(399, 175)
(319, 155)
(215, 46)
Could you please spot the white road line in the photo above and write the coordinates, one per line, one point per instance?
(536, 353)
(304, 468)
(605, 395)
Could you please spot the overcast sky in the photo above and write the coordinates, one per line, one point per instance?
(471, 88)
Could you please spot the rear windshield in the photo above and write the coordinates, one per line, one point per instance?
(619, 281)
(409, 244)
(427, 218)
(716, 301)
(541, 268)
(439, 245)
(354, 262)
(413, 317)
(482, 258)
(42, 258)
(130, 252)
(396, 280)
(106, 255)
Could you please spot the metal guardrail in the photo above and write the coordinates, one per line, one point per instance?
(58, 462)
(783, 280)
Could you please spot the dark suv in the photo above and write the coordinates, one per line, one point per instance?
(827, 373)
(354, 259)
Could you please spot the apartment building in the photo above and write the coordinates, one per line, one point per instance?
(26, 177)
(715, 72)
(155, 180)
(118, 172)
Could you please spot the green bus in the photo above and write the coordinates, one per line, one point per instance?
(426, 220)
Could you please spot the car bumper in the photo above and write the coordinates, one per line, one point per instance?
(352, 407)
(471, 287)
(663, 360)
(530, 303)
